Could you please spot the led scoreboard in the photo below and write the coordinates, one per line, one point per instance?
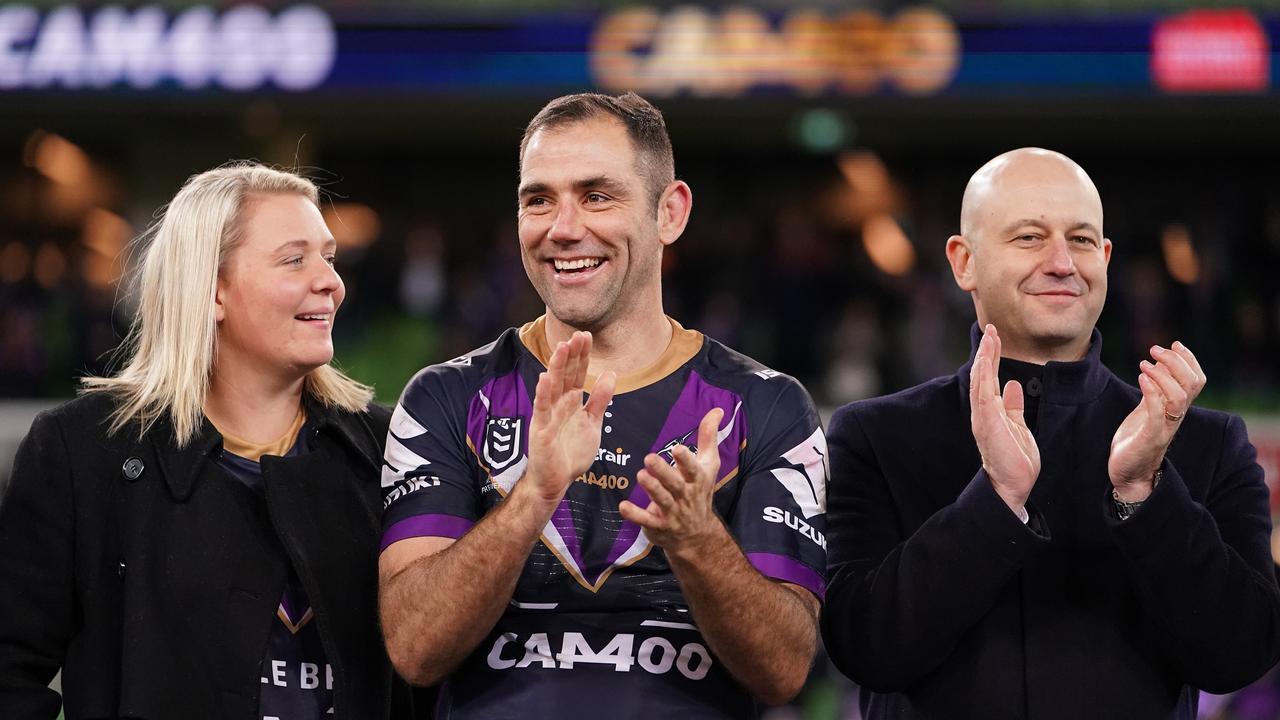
(686, 50)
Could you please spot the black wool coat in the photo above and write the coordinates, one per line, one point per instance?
(942, 604)
(150, 577)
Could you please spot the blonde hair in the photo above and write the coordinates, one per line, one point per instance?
(171, 345)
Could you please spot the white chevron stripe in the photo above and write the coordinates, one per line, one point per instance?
(809, 488)
(720, 436)
(398, 458)
(638, 548)
(404, 426)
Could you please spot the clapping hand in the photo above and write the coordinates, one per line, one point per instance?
(680, 511)
(564, 433)
(1169, 386)
(1009, 452)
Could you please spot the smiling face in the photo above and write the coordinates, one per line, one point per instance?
(589, 232)
(1032, 253)
(277, 291)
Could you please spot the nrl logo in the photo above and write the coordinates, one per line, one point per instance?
(502, 442)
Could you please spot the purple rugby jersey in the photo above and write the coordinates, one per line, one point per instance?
(597, 619)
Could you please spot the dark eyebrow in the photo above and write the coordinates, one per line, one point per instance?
(602, 182)
(599, 182)
(532, 189)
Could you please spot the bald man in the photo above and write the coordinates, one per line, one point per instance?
(1034, 537)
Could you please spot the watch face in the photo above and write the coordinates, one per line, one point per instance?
(1126, 510)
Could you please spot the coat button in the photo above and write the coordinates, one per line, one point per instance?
(1034, 387)
(133, 468)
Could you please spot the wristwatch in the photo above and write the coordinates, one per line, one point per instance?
(1125, 510)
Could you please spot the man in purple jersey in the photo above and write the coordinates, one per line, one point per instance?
(658, 548)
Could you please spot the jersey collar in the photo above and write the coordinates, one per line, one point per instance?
(683, 346)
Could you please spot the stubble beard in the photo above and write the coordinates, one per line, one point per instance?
(581, 313)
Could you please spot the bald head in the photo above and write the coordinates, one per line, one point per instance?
(1031, 253)
(1033, 171)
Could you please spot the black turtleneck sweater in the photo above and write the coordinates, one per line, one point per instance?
(941, 604)
(1029, 376)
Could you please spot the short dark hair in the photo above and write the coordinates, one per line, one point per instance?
(643, 122)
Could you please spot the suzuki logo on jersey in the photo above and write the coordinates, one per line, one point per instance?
(413, 482)
(502, 442)
(617, 457)
(782, 517)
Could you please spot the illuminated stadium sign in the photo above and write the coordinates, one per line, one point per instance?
(1211, 51)
(242, 48)
(355, 51)
(731, 52)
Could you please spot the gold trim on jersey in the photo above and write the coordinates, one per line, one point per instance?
(569, 564)
(289, 624)
(683, 346)
(255, 451)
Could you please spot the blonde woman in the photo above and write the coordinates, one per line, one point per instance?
(195, 537)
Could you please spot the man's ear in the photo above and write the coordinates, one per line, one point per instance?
(960, 256)
(674, 206)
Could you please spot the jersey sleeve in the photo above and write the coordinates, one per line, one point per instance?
(779, 518)
(429, 486)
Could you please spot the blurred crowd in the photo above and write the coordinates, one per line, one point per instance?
(829, 268)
